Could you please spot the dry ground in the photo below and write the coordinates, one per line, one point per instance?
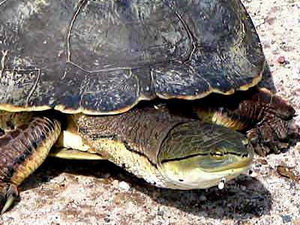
(63, 192)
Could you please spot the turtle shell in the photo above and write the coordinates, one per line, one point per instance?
(103, 57)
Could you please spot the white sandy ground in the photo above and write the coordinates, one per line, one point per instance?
(65, 192)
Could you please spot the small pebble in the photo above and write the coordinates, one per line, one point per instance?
(160, 212)
(262, 161)
(115, 183)
(107, 220)
(124, 186)
(222, 184)
(281, 59)
(286, 218)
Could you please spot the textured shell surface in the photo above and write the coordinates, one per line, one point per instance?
(103, 57)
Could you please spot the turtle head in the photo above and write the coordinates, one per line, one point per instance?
(196, 156)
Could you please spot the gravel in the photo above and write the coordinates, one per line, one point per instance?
(78, 192)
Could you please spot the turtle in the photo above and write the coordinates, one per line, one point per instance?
(166, 89)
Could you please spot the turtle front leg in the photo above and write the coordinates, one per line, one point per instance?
(25, 141)
(266, 118)
(273, 126)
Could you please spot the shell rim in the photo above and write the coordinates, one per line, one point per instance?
(63, 109)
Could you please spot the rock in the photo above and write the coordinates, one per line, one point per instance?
(124, 186)
(286, 218)
(281, 59)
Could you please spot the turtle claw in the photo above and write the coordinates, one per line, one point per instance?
(271, 136)
(255, 139)
(8, 194)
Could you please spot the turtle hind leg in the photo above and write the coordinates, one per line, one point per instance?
(265, 117)
(24, 145)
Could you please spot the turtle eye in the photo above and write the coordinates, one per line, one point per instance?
(217, 154)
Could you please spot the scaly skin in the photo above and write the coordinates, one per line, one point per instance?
(264, 116)
(22, 151)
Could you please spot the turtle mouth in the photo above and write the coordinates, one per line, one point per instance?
(198, 178)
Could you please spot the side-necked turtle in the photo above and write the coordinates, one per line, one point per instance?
(79, 67)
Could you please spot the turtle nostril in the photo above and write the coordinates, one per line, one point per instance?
(245, 155)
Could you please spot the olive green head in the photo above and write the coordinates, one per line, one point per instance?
(195, 155)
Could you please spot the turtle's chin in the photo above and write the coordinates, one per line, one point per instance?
(188, 174)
